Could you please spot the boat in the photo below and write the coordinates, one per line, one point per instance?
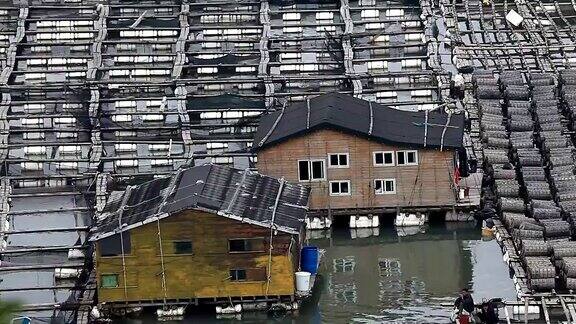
(485, 312)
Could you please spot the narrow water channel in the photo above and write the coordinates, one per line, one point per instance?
(394, 279)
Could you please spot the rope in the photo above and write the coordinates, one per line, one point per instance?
(371, 118)
(162, 261)
(124, 273)
(444, 131)
(413, 190)
(265, 138)
(269, 274)
(425, 126)
(237, 191)
(308, 113)
(125, 276)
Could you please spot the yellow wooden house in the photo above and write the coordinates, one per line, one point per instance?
(207, 234)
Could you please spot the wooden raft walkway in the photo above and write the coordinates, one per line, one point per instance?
(531, 307)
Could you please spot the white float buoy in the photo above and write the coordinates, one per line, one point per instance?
(229, 310)
(410, 219)
(75, 254)
(67, 273)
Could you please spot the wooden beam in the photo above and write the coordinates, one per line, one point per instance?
(43, 249)
(67, 287)
(40, 266)
(41, 211)
(566, 312)
(46, 230)
(572, 311)
(545, 311)
(507, 315)
(525, 310)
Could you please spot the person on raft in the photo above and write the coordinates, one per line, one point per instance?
(464, 307)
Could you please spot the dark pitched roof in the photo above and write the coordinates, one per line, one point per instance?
(243, 195)
(369, 119)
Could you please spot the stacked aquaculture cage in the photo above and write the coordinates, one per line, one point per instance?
(528, 232)
(534, 192)
(501, 189)
(494, 138)
(563, 178)
(526, 156)
(564, 256)
(556, 152)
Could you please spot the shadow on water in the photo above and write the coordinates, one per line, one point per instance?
(386, 278)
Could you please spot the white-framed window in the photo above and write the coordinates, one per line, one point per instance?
(311, 170)
(385, 158)
(385, 186)
(407, 157)
(340, 188)
(338, 160)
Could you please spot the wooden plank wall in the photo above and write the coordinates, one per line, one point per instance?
(205, 272)
(427, 184)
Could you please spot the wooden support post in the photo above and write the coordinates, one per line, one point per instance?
(545, 311)
(525, 310)
(507, 315)
(566, 312)
(572, 311)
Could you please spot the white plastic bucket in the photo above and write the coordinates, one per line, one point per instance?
(303, 281)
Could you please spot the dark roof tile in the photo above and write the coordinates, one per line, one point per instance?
(353, 115)
(239, 194)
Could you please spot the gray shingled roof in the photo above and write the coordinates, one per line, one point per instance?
(360, 117)
(243, 195)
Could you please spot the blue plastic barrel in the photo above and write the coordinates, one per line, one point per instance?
(309, 259)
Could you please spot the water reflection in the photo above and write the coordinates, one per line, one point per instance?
(387, 278)
(404, 278)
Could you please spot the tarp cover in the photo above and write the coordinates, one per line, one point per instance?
(224, 101)
(226, 59)
(147, 22)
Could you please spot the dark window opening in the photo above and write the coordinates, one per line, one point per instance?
(411, 157)
(334, 159)
(400, 158)
(339, 188)
(238, 275)
(384, 186)
(111, 245)
(335, 187)
(303, 172)
(183, 247)
(379, 158)
(388, 158)
(383, 158)
(378, 186)
(389, 185)
(317, 170)
(339, 160)
(246, 245)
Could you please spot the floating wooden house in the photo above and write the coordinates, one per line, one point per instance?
(363, 158)
(207, 234)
